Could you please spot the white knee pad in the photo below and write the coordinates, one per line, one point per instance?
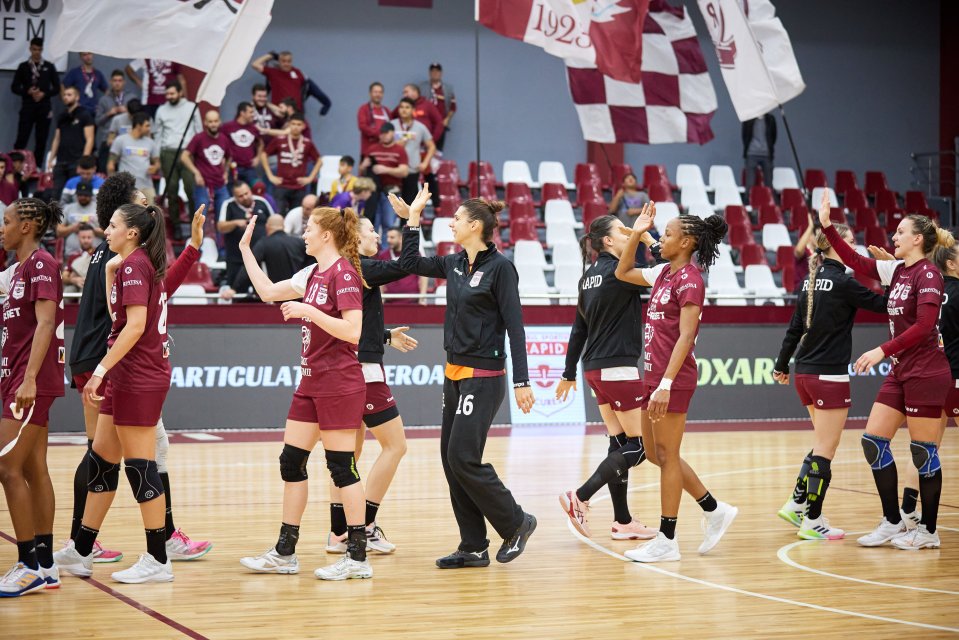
(163, 445)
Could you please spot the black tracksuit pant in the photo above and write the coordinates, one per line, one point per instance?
(35, 117)
(476, 492)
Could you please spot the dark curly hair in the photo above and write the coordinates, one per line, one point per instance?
(709, 233)
(116, 191)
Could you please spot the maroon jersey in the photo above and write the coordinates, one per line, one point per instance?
(242, 140)
(671, 292)
(210, 155)
(285, 84)
(392, 157)
(37, 278)
(158, 73)
(333, 291)
(291, 158)
(910, 287)
(145, 367)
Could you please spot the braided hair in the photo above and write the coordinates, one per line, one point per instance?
(46, 214)
(592, 241)
(709, 234)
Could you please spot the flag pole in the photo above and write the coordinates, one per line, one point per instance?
(176, 158)
(479, 171)
(792, 145)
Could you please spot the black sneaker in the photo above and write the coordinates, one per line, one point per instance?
(460, 559)
(516, 543)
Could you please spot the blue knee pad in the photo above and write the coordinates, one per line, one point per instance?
(102, 476)
(144, 479)
(925, 455)
(878, 453)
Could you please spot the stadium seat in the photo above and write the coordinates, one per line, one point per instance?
(817, 198)
(759, 279)
(483, 188)
(587, 172)
(449, 169)
(653, 173)
(442, 231)
(736, 214)
(532, 280)
(518, 191)
(553, 191)
(665, 211)
(722, 175)
(876, 182)
(784, 178)
(877, 236)
(189, 294)
(210, 255)
(567, 253)
(799, 218)
(529, 252)
(440, 298)
(784, 256)
(588, 192)
(770, 214)
(726, 194)
(659, 192)
(517, 171)
(329, 172)
(775, 236)
(485, 168)
(448, 206)
(694, 195)
(916, 202)
(447, 248)
(551, 171)
(845, 181)
(560, 212)
(866, 217)
(855, 199)
(566, 280)
(726, 256)
(815, 178)
(560, 234)
(722, 280)
(739, 235)
(790, 198)
(750, 254)
(893, 218)
(447, 186)
(689, 175)
(522, 210)
(759, 196)
(44, 182)
(887, 200)
(523, 230)
(620, 171)
(593, 210)
(701, 210)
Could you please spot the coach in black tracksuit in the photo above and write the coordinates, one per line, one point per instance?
(36, 81)
(482, 305)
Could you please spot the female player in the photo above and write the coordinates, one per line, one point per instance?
(380, 414)
(672, 324)
(482, 304)
(136, 369)
(608, 334)
(917, 385)
(89, 346)
(32, 378)
(821, 328)
(328, 404)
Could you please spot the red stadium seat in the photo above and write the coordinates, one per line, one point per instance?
(593, 210)
(855, 199)
(893, 218)
(752, 254)
(485, 168)
(876, 182)
(837, 215)
(736, 214)
(653, 173)
(518, 191)
(447, 248)
(845, 181)
(887, 200)
(486, 188)
(798, 218)
(522, 210)
(553, 191)
(586, 172)
(447, 186)
(770, 214)
(792, 198)
(916, 202)
(522, 229)
(200, 274)
(448, 206)
(866, 218)
(789, 276)
(759, 196)
(815, 178)
(619, 171)
(449, 169)
(588, 192)
(877, 236)
(784, 256)
(740, 236)
(660, 192)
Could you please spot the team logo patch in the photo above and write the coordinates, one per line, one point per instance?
(3, 338)
(306, 341)
(214, 154)
(476, 278)
(664, 298)
(113, 295)
(347, 276)
(322, 295)
(929, 274)
(18, 290)
(40, 266)
(128, 270)
(369, 407)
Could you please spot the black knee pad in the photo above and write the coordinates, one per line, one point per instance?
(342, 468)
(634, 451)
(144, 477)
(102, 476)
(617, 442)
(293, 463)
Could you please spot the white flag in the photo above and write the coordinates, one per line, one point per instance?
(755, 55)
(215, 36)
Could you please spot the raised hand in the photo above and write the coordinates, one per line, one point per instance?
(196, 227)
(644, 221)
(824, 220)
(248, 235)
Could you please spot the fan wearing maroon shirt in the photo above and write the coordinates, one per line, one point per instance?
(423, 110)
(31, 378)
(286, 81)
(208, 158)
(672, 324)
(370, 117)
(387, 164)
(328, 403)
(245, 144)
(918, 383)
(292, 152)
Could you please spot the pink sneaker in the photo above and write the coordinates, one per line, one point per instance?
(635, 530)
(576, 510)
(180, 547)
(104, 556)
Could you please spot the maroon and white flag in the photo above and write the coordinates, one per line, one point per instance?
(675, 100)
(606, 34)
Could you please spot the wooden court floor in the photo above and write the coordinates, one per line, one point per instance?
(760, 582)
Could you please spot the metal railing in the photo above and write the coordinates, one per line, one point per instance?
(927, 171)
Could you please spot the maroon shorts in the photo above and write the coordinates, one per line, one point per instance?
(620, 395)
(41, 409)
(80, 380)
(952, 401)
(823, 392)
(329, 412)
(679, 399)
(917, 397)
(133, 408)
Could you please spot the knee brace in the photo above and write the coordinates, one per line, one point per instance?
(617, 442)
(102, 476)
(342, 468)
(293, 463)
(163, 446)
(144, 479)
(634, 451)
(878, 453)
(818, 477)
(925, 455)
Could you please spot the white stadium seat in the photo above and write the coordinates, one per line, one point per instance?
(784, 178)
(722, 175)
(560, 212)
(665, 211)
(560, 234)
(442, 231)
(776, 235)
(817, 198)
(533, 280)
(528, 253)
(517, 171)
(551, 171)
(689, 175)
(759, 279)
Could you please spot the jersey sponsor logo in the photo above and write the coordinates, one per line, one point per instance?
(18, 291)
(61, 354)
(347, 290)
(13, 312)
(688, 285)
(822, 284)
(929, 275)
(657, 315)
(133, 283)
(477, 276)
(40, 277)
(931, 290)
(113, 297)
(369, 407)
(305, 336)
(3, 338)
(458, 272)
(593, 281)
(252, 376)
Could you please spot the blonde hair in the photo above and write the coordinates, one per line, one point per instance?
(944, 250)
(815, 262)
(344, 225)
(362, 184)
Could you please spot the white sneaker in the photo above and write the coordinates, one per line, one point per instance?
(20, 580)
(819, 529)
(51, 577)
(72, 562)
(146, 569)
(792, 512)
(335, 543)
(911, 519)
(271, 562)
(576, 510)
(344, 569)
(660, 549)
(376, 540)
(915, 539)
(715, 524)
(882, 534)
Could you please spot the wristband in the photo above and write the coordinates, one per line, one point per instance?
(570, 379)
(387, 336)
(520, 385)
(409, 228)
(664, 385)
(100, 371)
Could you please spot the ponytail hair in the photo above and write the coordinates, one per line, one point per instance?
(46, 214)
(930, 232)
(344, 226)
(148, 221)
(709, 234)
(486, 212)
(945, 249)
(592, 241)
(815, 262)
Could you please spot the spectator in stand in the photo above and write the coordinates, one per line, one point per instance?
(345, 179)
(387, 165)
(759, 146)
(363, 189)
(72, 140)
(111, 104)
(265, 113)
(75, 273)
(245, 144)
(36, 81)
(17, 162)
(628, 201)
(123, 122)
(293, 151)
(284, 255)
(413, 135)
(411, 283)
(157, 77)
(370, 118)
(138, 154)
(281, 124)
(423, 110)
(804, 249)
(83, 211)
(442, 96)
(208, 158)
(9, 189)
(88, 81)
(294, 222)
(286, 81)
(176, 121)
(86, 172)
(234, 216)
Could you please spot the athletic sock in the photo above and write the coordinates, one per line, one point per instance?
(356, 542)
(619, 487)
(910, 497)
(286, 543)
(799, 491)
(85, 539)
(169, 526)
(887, 484)
(80, 491)
(708, 502)
(667, 527)
(371, 509)
(337, 519)
(930, 488)
(44, 544)
(817, 481)
(156, 544)
(27, 553)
